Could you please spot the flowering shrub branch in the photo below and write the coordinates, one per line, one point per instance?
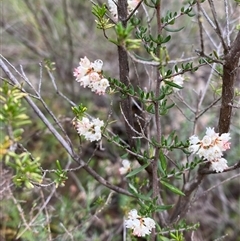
(155, 153)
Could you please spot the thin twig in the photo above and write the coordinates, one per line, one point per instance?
(213, 187)
(39, 212)
(20, 210)
(217, 28)
(40, 79)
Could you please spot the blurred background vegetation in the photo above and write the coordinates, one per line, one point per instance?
(54, 34)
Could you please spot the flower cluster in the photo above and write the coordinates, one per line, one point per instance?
(211, 147)
(125, 168)
(140, 226)
(132, 4)
(89, 74)
(91, 130)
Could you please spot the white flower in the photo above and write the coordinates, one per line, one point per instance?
(83, 126)
(78, 73)
(179, 81)
(219, 165)
(140, 226)
(149, 222)
(126, 167)
(85, 62)
(194, 140)
(133, 213)
(98, 122)
(85, 81)
(104, 84)
(211, 133)
(91, 130)
(193, 148)
(94, 136)
(130, 223)
(140, 229)
(206, 141)
(97, 65)
(214, 153)
(225, 137)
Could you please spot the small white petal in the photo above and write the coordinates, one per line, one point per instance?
(133, 214)
(194, 140)
(126, 167)
(85, 62)
(219, 165)
(97, 65)
(206, 141)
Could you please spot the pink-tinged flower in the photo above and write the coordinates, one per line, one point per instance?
(90, 75)
(124, 170)
(94, 77)
(211, 148)
(83, 126)
(223, 141)
(85, 63)
(140, 226)
(91, 130)
(219, 165)
(226, 146)
(79, 72)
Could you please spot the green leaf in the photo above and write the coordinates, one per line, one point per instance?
(143, 197)
(166, 39)
(172, 84)
(163, 207)
(58, 165)
(137, 170)
(133, 188)
(162, 238)
(173, 30)
(172, 188)
(160, 97)
(163, 163)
